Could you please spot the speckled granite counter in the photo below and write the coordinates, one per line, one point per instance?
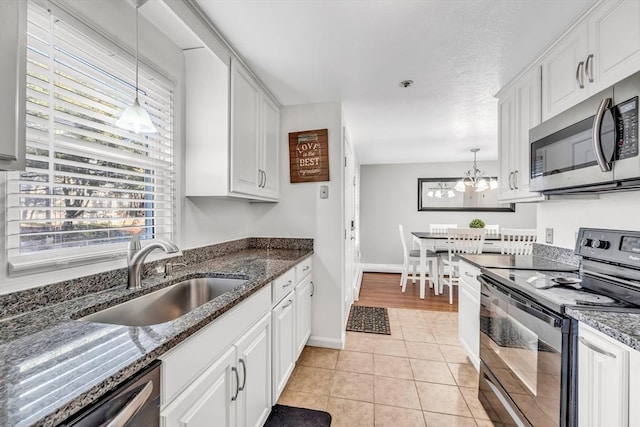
(518, 262)
(624, 327)
(53, 365)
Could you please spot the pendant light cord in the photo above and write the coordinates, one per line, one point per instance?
(137, 7)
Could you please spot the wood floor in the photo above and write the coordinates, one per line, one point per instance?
(383, 290)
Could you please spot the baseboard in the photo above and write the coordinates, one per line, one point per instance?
(382, 268)
(325, 342)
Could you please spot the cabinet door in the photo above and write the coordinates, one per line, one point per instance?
(303, 313)
(245, 156)
(270, 134)
(506, 140)
(254, 364)
(528, 110)
(283, 343)
(603, 380)
(614, 42)
(208, 398)
(469, 322)
(562, 73)
(13, 36)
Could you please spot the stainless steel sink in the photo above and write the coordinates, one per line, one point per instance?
(165, 304)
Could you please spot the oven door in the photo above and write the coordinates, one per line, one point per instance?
(524, 360)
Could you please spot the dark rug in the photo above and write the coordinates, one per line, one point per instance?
(374, 320)
(288, 416)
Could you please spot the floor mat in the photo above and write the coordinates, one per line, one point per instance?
(288, 416)
(374, 320)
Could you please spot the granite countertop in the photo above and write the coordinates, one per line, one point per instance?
(517, 262)
(623, 327)
(53, 365)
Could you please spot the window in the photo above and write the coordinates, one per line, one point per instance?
(88, 186)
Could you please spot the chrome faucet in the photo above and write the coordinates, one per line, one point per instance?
(136, 255)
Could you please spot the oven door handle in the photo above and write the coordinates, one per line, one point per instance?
(132, 407)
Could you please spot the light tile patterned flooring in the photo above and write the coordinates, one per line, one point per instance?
(418, 376)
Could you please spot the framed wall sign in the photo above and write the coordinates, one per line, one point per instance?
(309, 156)
(438, 194)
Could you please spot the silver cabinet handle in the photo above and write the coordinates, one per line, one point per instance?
(287, 304)
(596, 348)
(233, 368)
(515, 180)
(244, 374)
(132, 407)
(286, 285)
(511, 181)
(306, 268)
(588, 67)
(264, 183)
(466, 273)
(605, 164)
(313, 289)
(580, 75)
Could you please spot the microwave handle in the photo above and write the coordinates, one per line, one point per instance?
(605, 166)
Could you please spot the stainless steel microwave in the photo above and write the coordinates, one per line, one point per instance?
(592, 147)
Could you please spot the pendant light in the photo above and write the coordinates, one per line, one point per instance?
(475, 179)
(135, 118)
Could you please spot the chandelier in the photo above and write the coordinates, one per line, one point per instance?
(440, 190)
(474, 178)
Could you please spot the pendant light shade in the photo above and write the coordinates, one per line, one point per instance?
(135, 118)
(474, 178)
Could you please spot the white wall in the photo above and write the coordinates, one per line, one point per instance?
(616, 210)
(389, 196)
(301, 213)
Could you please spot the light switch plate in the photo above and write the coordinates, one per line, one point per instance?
(549, 235)
(324, 191)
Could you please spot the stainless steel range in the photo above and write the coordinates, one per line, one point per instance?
(528, 348)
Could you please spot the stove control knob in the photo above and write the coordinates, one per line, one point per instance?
(600, 244)
(585, 242)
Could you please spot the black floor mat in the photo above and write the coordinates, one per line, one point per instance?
(288, 416)
(373, 320)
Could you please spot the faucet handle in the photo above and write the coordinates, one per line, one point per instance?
(168, 268)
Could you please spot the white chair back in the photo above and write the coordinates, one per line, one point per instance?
(405, 251)
(441, 228)
(492, 229)
(518, 241)
(465, 240)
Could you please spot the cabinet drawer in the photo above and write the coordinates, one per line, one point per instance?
(283, 285)
(470, 273)
(303, 269)
(183, 363)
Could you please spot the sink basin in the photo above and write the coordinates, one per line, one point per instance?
(165, 304)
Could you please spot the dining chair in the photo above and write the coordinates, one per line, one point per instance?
(411, 262)
(517, 241)
(492, 229)
(441, 228)
(459, 241)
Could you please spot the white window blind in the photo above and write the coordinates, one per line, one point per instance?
(88, 186)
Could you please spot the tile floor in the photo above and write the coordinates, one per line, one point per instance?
(417, 376)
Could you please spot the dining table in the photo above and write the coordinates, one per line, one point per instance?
(436, 242)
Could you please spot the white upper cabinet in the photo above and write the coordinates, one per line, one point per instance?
(614, 40)
(599, 51)
(233, 131)
(255, 133)
(518, 111)
(13, 36)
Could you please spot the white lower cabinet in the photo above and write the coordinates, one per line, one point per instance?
(223, 372)
(304, 293)
(208, 398)
(253, 353)
(608, 377)
(284, 334)
(469, 312)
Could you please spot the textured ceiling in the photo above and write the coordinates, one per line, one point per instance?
(459, 53)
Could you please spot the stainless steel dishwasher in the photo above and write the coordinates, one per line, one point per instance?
(134, 403)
